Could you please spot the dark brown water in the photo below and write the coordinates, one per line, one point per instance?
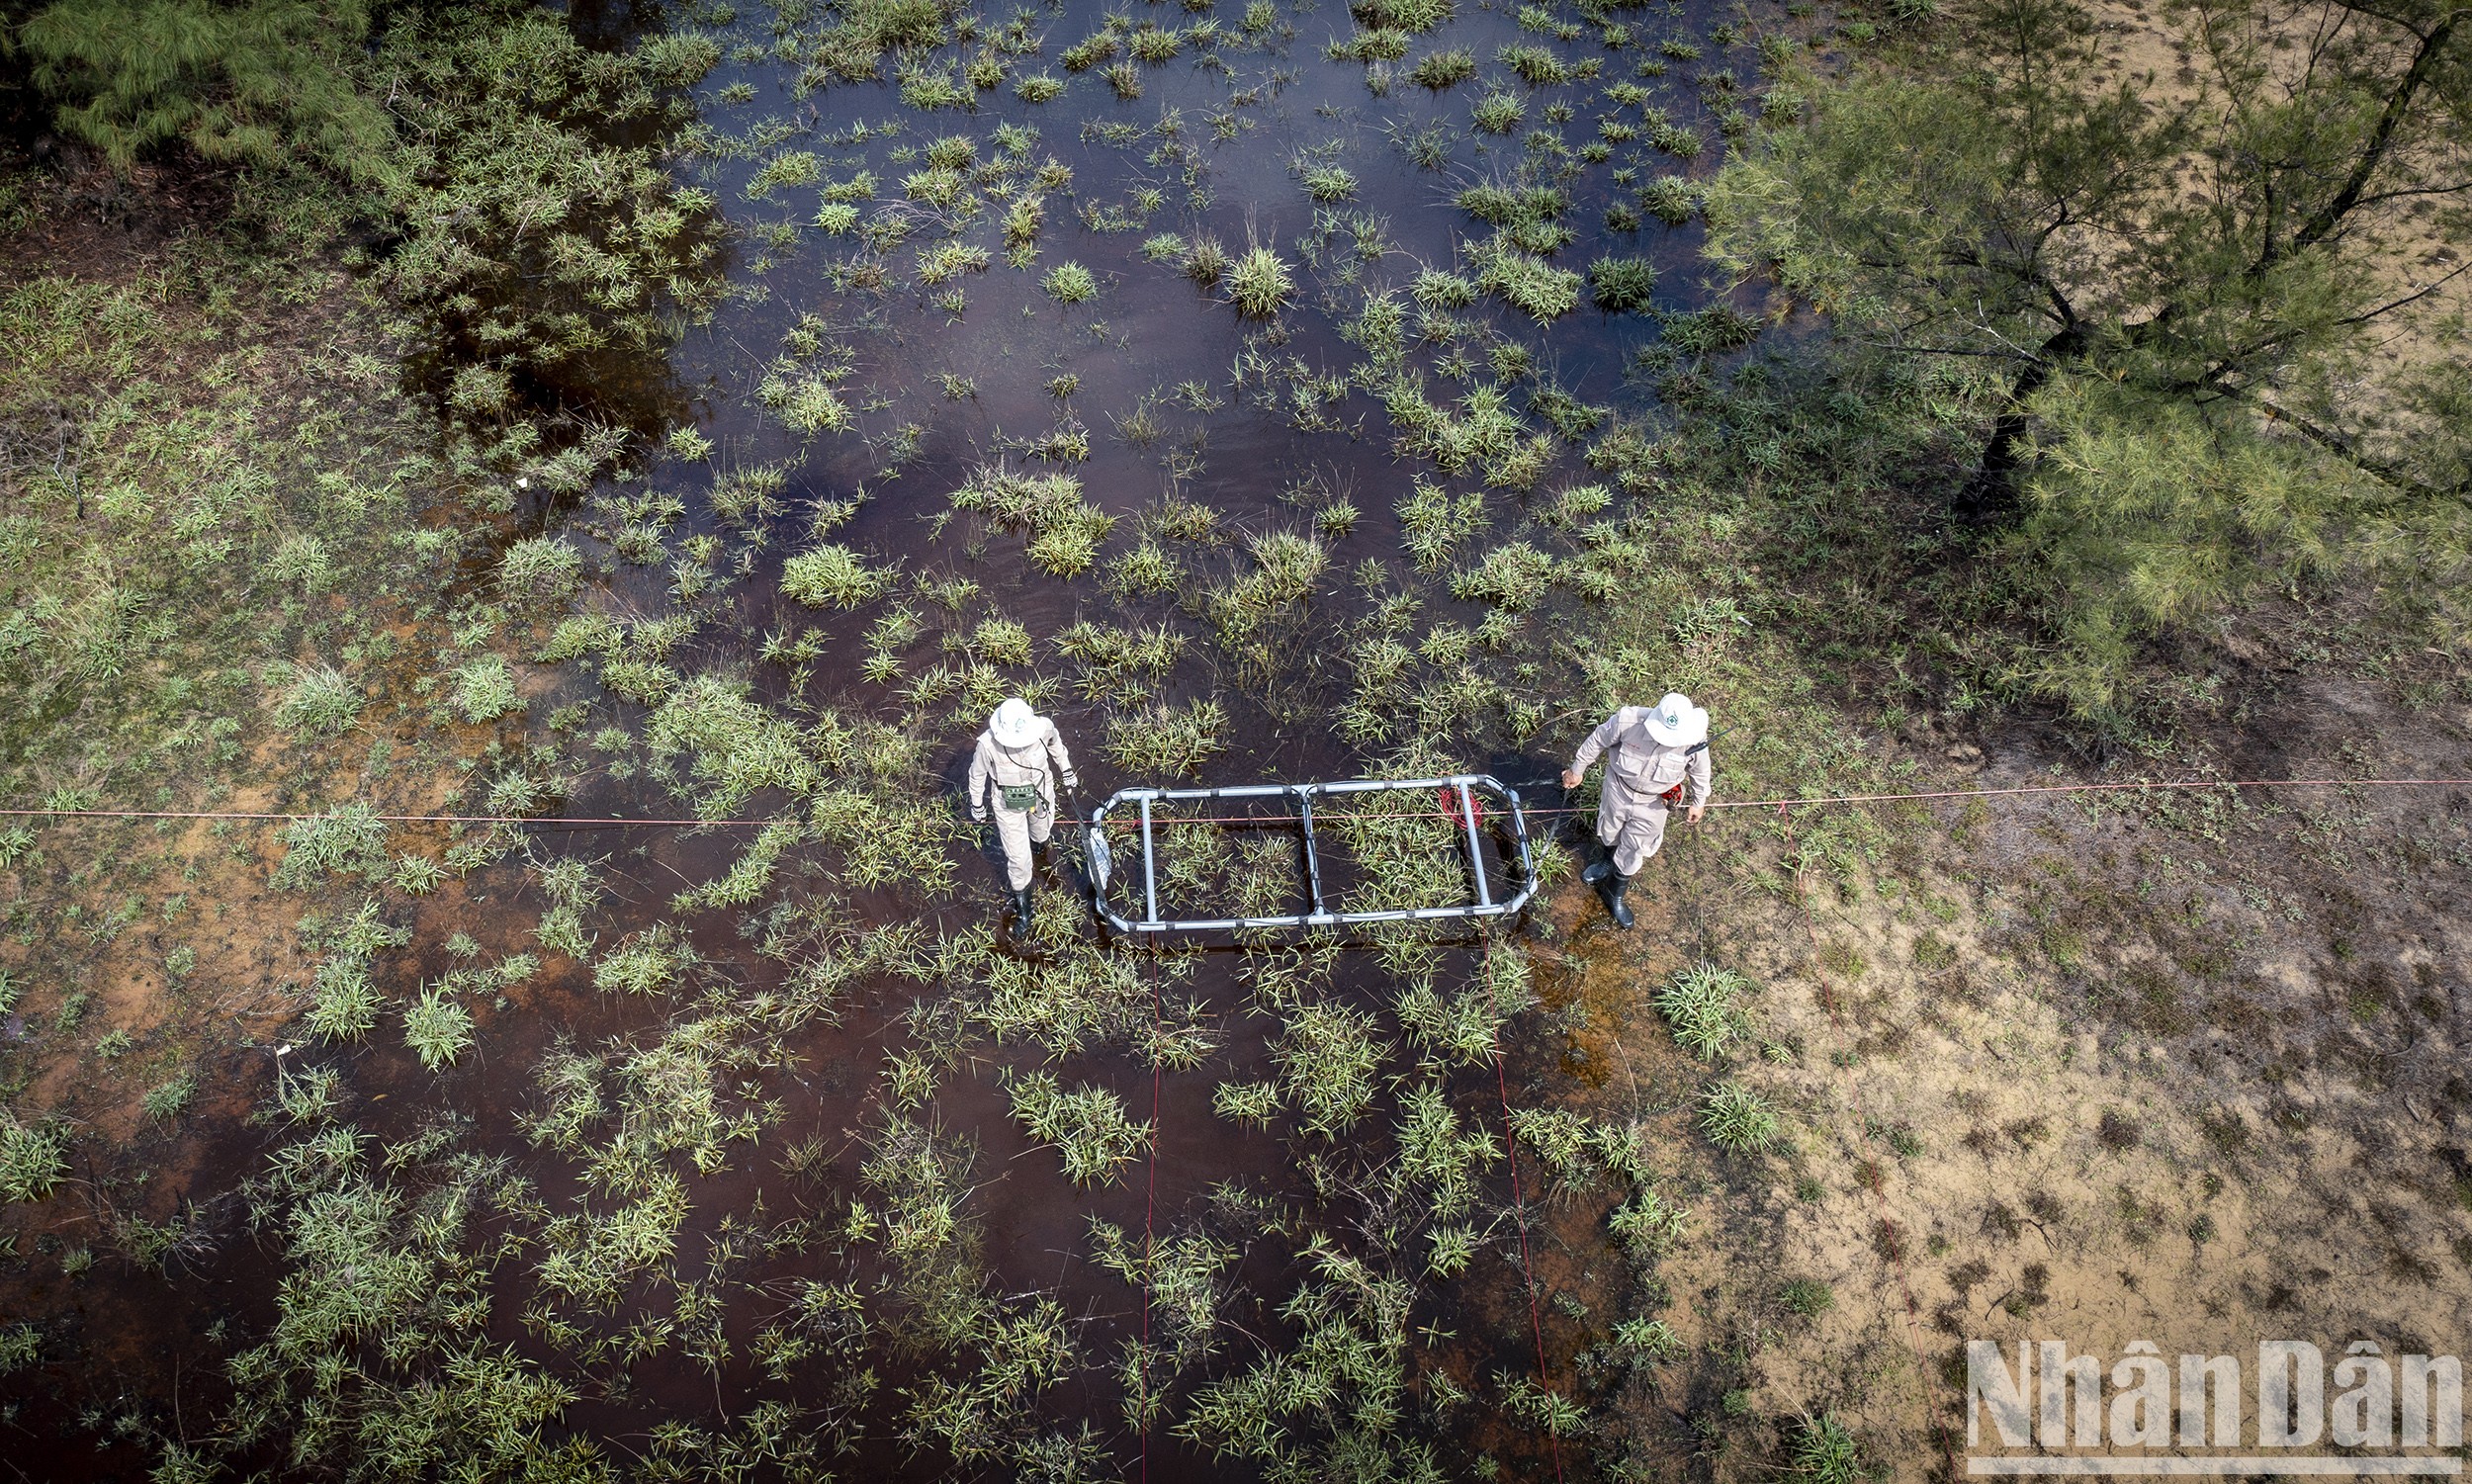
(822, 1087)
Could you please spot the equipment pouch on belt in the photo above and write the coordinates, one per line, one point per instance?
(1020, 798)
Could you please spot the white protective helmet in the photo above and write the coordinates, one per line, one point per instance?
(1676, 721)
(1014, 724)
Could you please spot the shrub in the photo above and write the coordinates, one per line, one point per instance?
(831, 575)
(1622, 285)
(1070, 284)
(1259, 283)
(321, 700)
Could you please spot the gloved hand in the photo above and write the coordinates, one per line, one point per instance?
(1072, 780)
(978, 816)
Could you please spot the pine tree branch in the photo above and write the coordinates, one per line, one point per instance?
(2381, 138)
(2351, 453)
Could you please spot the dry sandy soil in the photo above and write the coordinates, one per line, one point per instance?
(2090, 1068)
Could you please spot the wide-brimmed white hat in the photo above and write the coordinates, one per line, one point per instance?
(1677, 723)
(1014, 724)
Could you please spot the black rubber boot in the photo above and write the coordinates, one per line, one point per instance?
(1021, 906)
(1612, 888)
(1598, 869)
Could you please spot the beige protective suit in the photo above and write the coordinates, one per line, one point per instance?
(1638, 771)
(994, 767)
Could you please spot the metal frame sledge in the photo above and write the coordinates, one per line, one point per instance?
(1467, 787)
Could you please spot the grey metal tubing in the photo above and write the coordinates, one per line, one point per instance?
(1312, 864)
(1150, 866)
(1466, 784)
(1475, 855)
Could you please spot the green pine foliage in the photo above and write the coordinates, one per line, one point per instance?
(265, 83)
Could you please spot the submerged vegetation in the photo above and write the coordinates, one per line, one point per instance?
(561, 515)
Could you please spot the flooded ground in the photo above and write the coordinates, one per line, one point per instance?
(1229, 401)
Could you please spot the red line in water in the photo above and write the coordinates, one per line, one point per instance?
(1150, 1206)
(581, 821)
(1518, 1207)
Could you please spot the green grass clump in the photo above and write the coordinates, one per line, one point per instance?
(1329, 183)
(1622, 285)
(832, 575)
(21, 1345)
(1164, 741)
(1070, 284)
(1206, 261)
(1040, 87)
(1499, 112)
(484, 689)
(1515, 577)
(168, 1101)
(1648, 1339)
(438, 1027)
(1248, 1103)
(1401, 15)
(1808, 1298)
(1088, 1125)
(31, 1162)
(320, 701)
(1670, 199)
(1528, 283)
(1826, 1451)
(1439, 70)
(1436, 290)
(1326, 1057)
(1535, 65)
(540, 569)
(1739, 1119)
(1068, 544)
(1259, 283)
(1703, 1005)
(352, 840)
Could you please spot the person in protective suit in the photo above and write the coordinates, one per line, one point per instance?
(1651, 753)
(1013, 771)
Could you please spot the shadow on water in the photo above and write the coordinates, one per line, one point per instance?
(937, 395)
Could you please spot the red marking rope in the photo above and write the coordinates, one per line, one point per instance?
(607, 822)
(1150, 1208)
(1518, 1207)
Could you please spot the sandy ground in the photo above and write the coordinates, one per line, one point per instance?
(2091, 1070)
